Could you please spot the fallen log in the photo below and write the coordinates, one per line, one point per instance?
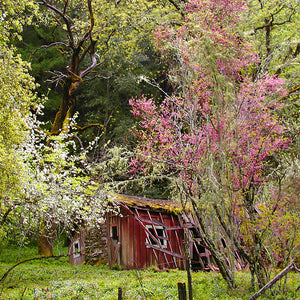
(30, 259)
(290, 267)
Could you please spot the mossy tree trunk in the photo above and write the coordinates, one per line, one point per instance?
(80, 48)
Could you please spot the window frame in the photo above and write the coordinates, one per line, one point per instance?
(114, 232)
(76, 252)
(162, 239)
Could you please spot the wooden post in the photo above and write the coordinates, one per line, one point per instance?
(120, 293)
(181, 291)
(187, 246)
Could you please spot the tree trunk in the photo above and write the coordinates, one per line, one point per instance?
(45, 241)
(80, 47)
(60, 125)
(67, 107)
(45, 245)
(187, 244)
(225, 270)
(256, 258)
(219, 257)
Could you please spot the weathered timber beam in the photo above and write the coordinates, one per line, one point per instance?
(165, 251)
(289, 268)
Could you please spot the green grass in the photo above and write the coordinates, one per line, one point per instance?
(57, 279)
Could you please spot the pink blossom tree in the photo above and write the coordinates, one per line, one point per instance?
(218, 136)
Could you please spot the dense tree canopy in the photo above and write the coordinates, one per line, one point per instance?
(16, 99)
(92, 46)
(219, 139)
(273, 26)
(214, 87)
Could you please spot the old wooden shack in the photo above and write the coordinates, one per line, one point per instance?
(139, 233)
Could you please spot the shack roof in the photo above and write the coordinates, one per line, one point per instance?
(147, 203)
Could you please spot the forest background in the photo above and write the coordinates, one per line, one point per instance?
(214, 87)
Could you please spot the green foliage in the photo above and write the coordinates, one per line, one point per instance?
(16, 100)
(274, 30)
(13, 17)
(55, 278)
(275, 26)
(124, 51)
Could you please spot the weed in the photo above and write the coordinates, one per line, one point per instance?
(57, 279)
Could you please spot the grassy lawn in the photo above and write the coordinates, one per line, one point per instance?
(57, 279)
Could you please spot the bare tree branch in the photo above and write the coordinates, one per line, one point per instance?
(89, 31)
(94, 64)
(49, 45)
(88, 126)
(64, 17)
(57, 77)
(66, 6)
(293, 90)
(270, 22)
(30, 259)
(177, 6)
(4, 217)
(297, 50)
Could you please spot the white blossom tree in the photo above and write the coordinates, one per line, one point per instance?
(59, 189)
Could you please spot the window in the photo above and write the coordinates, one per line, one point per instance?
(114, 233)
(160, 234)
(76, 249)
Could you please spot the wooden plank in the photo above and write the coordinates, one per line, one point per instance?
(199, 254)
(155, 250)
(125, 240)
(114, 258)
(131, 249)
(137, 216)
(169, 242)
(165, 251)
(173, 228)
(289, 268)
(158, 239)
(150, 222)
(179, 245)
(137, 245)
(120, 297)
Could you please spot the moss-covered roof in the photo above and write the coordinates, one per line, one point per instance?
(153, 204)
